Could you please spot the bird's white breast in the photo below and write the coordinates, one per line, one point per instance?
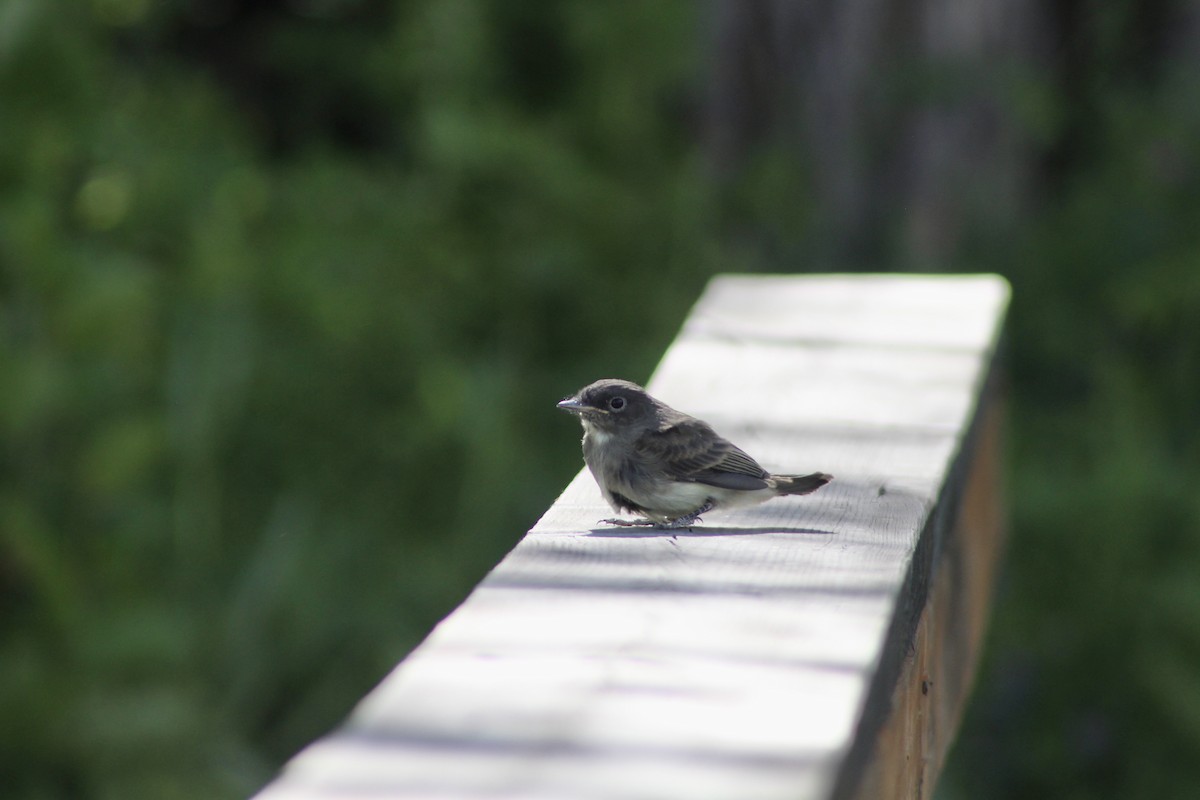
(676, 498)
(597, 437)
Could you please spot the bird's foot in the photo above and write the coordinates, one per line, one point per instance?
(687, 520)
(628, 523)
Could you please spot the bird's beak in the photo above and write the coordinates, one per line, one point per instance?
(571, 404)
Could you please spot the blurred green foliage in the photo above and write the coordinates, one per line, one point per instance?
(1092, 686)
(287, 288)
(288, 291)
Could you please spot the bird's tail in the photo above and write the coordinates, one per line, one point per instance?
(800, 484)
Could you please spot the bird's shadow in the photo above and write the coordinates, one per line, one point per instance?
(617, 532)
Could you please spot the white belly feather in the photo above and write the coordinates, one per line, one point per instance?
(679, 498)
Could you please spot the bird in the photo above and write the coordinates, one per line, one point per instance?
(664, 465)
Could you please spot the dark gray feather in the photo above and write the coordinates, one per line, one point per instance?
(687, 449)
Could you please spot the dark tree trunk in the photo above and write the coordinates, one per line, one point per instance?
(896, 110)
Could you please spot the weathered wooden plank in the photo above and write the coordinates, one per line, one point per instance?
(754, 657)
(905, 756)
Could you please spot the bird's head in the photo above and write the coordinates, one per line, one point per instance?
(611, 404)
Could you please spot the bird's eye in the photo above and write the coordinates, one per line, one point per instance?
(617, 403)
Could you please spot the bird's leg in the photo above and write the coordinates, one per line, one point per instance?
(688, 520)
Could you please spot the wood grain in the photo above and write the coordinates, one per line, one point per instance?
(753, 657)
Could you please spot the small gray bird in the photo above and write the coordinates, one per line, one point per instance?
(652, 460)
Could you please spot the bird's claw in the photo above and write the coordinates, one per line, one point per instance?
(663, 525)
(670, 524)
(628, 523)
(686, 521)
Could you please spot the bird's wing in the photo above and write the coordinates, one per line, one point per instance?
(690, 450)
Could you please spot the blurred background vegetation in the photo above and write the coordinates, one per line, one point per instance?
(288, 287)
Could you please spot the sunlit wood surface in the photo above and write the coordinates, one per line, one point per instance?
(768, 653)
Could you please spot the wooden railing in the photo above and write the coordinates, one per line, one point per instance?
(811, 647)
